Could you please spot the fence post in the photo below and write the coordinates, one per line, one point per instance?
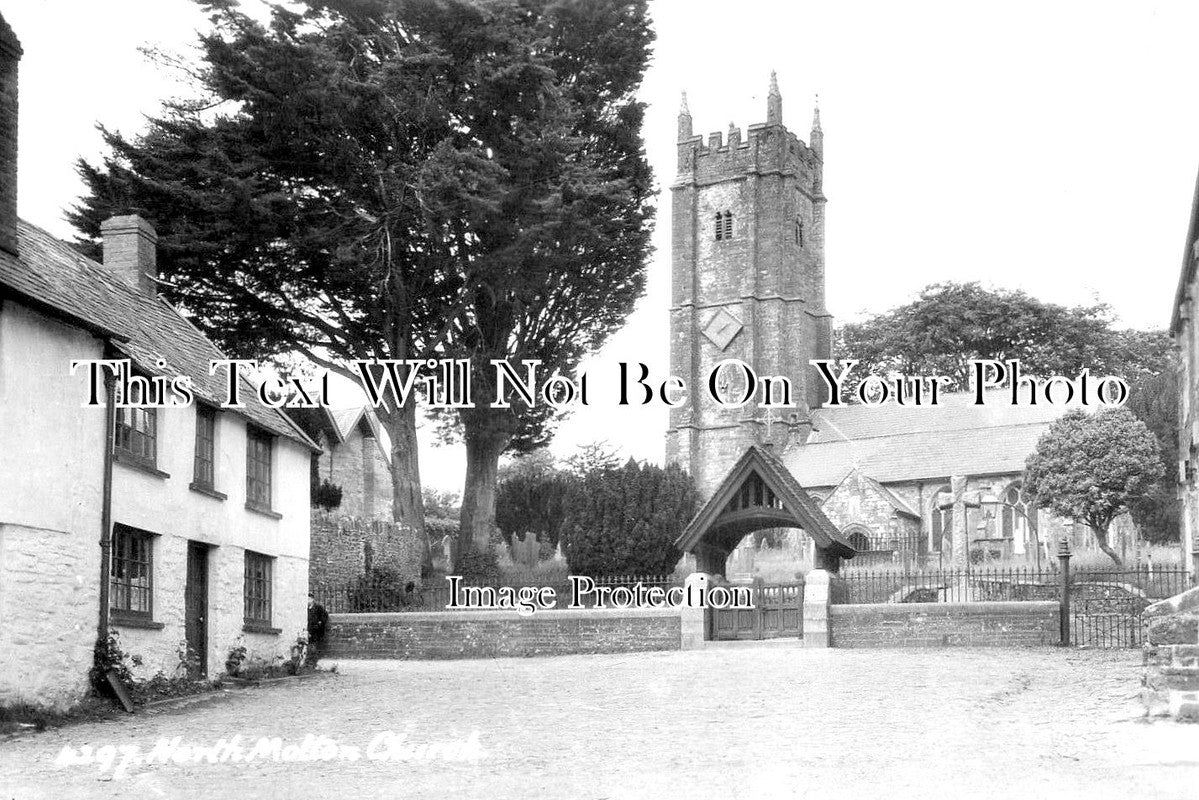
(1063, 558)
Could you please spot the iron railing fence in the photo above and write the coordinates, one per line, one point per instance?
(982, 584)
(365, 595)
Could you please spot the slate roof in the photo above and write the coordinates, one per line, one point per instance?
(892, 444)
(347, 419)
(54, 278)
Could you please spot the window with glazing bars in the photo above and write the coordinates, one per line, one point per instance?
(131, 589)
(258, 468)
(258, 588)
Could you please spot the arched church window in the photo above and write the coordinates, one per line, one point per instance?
(799, 232)
(859, 539)
(1018, 516)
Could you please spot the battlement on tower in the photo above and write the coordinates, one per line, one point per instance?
(766, 148)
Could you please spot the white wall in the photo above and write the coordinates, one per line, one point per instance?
(169, 508)
(51, 480)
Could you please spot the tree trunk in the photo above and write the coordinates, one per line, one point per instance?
(1101, 540)
(484, 446)
(407, 504)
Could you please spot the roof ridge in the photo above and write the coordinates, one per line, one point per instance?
(919, 431)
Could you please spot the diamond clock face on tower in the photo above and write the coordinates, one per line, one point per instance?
(721, 328)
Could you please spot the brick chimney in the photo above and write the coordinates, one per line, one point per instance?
(131, 250)
(10, 57)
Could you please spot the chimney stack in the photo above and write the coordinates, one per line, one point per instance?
(10, 57)
(131, 250)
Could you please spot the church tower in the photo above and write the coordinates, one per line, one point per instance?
(747, 283)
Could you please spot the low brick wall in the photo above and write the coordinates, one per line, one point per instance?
(493, 634)
(1171, 682)
(945, 624)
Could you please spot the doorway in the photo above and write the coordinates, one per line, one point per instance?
(195, 609)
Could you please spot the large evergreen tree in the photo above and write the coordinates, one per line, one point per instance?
(401, 179)
(562, 261)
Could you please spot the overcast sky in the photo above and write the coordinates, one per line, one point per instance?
(1050, 147)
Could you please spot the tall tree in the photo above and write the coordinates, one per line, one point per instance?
(1154, 401)
(361, 177)
(950, 323)
(561, 262)
(1090, 467)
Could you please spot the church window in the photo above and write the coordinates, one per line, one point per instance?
(799, 232)
(859, 541)
(1018, 517)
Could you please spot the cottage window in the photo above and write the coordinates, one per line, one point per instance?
(136, 434)
(259, 569)
(258, 469)
(205, 473)
(131, 590)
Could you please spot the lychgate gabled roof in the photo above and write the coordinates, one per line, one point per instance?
(759, 493)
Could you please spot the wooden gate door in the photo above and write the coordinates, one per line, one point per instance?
(777, 613)
(195, 607)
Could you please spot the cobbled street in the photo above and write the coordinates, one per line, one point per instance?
(766, 720)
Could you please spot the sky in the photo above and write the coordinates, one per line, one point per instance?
(1050, 147)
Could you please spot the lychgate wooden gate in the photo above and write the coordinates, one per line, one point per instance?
(777, 613)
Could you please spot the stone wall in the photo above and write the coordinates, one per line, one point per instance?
(359, 467)
(1171, 682)
(492, 634)
(344, 548)
(945, 624)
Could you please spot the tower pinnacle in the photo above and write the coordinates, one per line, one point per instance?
(684, 120)
(817, 138)
(774, 102)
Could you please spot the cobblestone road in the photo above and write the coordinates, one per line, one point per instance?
(759, 721)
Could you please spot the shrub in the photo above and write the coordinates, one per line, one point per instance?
(108, 655)
(479, 567)
(625, 521)
(534, 503)
(382, 589)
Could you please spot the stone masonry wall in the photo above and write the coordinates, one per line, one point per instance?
(358, 466)
(1171, 682)
(48, 601)
(341, 547)
(492, 634)
(945, 624)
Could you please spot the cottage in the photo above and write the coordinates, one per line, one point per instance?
(184, 527)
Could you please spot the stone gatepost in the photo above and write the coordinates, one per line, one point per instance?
(693, 617)
(815, 609)
(1171, 682)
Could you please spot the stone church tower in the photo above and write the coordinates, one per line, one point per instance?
(747, 282)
